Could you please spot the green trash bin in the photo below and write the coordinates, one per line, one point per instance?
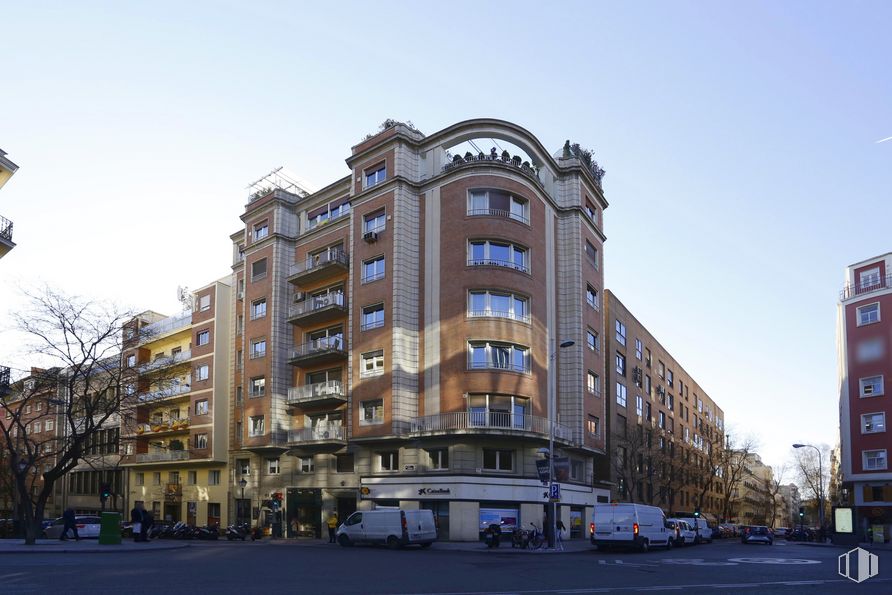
(110, 528)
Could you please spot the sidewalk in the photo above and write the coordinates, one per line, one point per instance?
(84, 546)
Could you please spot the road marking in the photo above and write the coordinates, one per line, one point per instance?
(774, 561)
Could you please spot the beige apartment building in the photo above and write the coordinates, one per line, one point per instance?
(396, 334)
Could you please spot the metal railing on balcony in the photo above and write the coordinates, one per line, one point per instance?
(161, 456)
(165, 326)
(165, 361)
(499, 314)
(498, 213)
(5, 229)
(489, 420)
(859, 289)
(317, 434)
(316, 303)
(317, 261)
(494, 262)
(317, 346)
(173, 391)
(159, 427)
(315, 392)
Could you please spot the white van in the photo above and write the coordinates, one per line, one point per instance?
(629, 525)
(394, 528)
(704, 531)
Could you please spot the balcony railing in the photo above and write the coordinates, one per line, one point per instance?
(318, 261)
(498, 314)
(318, 434)
(502, 160)
(850, 291)
(489, 420)
(319, 347)
(493, 262)
(173, 391)
(152, 428)
(315, 393)
(165, 361)
(5, 229)
(498, 213)
(165, 326)
(335, 301)
(161, 456)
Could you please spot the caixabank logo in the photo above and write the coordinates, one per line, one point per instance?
(859, 565)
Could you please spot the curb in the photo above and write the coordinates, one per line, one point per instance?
(37, 550)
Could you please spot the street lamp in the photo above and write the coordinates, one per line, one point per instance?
(552, 411)
(820, 485)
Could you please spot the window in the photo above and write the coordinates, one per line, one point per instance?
(593, 425)
(373, 269)
(258, 348)
(638, 349)
(591, 211)
(258, 309)
(201, 441)
(639, 405)
(871, 386)
(593, 383)
(49, 425)
(662, 420)
(620, 364)
(500, 356)
(868, 314)
(869, 278)
(872, 423)
(375, 176)
(203, 338)
(389, 461)
(439, 458)
(261, 230)
(498, 460)
(371, 412)
(591, 254)
(620, 333)
(201, 372)
(240, 324)
(258, 387)
(374, 222)
(372, 363)
(243, 466)
(372, 317)
(272, 466)
(591, 296)
(661, 369)
(669, 378)
(131, 361)
(156, 478)
(140, 479)
(256, 428)
(204, 303)
(344, 463)
(576, 469)
(201, 407)
(591, 340)
(503, 254)
(37, 427)
(214, 477)
(495, 203)
(621, 394)
(192, 478)
(874, 459)
(482, 302)
(648, 359)
(305, 464)
(648, 386)
(258, 270)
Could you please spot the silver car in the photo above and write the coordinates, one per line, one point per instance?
(87, 526)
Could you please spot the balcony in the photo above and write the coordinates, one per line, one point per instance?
(860, 289)
(318, 309)
(318, 267)
(491, 422)
(170, 393)
(158, 329)
(504, 160)
(319, 439)
(165, 361)
(321, 393)
(6, 243)
(162, 456)
(495, 262)
(319, 351)
(163, 428)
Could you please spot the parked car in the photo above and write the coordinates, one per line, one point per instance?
(87, 526)
(717, 532)
(781, 532)
(730, 530)
(800, 535)
(702, 529)
(394, 528)
(684, 533)
(757, 534)
(629, 525)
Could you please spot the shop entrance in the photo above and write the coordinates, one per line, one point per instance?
(441, 517)
(172, 512)
(345, 507)
(242, 511)
(304, 512)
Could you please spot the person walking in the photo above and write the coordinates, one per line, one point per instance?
(560, 533)
(136, 522)
(148, 521)
(332, 526)
(70, 522)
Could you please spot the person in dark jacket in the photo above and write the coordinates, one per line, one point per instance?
(70, 522)
(148, 519)
(136, 522)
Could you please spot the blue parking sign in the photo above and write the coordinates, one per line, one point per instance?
(554, 491)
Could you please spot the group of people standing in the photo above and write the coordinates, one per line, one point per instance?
(141, 520)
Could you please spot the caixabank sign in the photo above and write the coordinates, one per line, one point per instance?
(859, 565)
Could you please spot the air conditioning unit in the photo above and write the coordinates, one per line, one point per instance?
(370, 236)
(299, 296)
(241, 295)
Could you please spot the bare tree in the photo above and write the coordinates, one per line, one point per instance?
(632, 448)
(812, 476)
(774, 486)
(80, 392)
(732, 465)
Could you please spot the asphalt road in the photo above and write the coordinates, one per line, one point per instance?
(266, 567)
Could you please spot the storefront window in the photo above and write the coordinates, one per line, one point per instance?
(506, 518)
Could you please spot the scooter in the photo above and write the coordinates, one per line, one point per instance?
(239, 532)
(520, 538)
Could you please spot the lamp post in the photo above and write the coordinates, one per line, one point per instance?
(20, 529)
(552, 415)
(820, 485)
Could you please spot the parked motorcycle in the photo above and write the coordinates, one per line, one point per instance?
(239, 532)
(520, 538)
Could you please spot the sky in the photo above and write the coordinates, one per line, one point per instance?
(739, 139)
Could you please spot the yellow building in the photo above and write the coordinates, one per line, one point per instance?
(177, 420)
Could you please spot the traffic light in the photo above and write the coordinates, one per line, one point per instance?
(697, 513)
(105, 492)
(801, 511)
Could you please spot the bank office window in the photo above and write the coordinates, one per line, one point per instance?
(439, 458)
(372, 363)
(204, 302)
(258, 270)
(389, 460)
(272, 466)
(871, 386)
(498, 460)
(203, 338)
(868, 314)
(375, 175)
(874, 459)
(620, 333)
(872, 423)
(374, 222)
(371, 412)
(621, 394)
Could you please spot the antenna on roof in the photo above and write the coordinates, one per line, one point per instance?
(278, 179)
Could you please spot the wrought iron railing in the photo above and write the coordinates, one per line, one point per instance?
(165, 361)
(494, 262)
(498, 314)
(489, 159)
(313, 304)
(322, 345)
(489, 420)
(313, 392)
(318, 434)
(173, 391)
(877, 284)
(164, 455)
(165, 326)
(317, 261)
(498, 213)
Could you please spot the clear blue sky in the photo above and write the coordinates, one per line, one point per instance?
(739, 142)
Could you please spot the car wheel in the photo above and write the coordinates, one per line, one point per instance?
(668, 544)
(428, 544)
(393, 543)
(344, 541)
(645, 546)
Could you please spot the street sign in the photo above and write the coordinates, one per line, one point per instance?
(542, 470)
(554, 492)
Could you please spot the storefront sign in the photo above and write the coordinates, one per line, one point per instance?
(842, 520)
(434, 491)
